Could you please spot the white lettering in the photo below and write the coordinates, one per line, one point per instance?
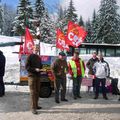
(70, 36)
(61, 42)
(29, 46)
(74, 38)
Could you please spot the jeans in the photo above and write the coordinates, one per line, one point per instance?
(77, 85)
(60, 83)
(97, 86)
(2, 86)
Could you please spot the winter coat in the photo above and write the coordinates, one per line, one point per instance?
(101, 69)
(90, 64)
(59, 68)
(33, 62)
(2, 64)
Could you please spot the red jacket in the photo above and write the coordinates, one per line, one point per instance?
(77, 61)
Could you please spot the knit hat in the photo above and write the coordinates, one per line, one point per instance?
(62, 53)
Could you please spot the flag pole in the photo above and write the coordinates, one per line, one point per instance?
(38, 35)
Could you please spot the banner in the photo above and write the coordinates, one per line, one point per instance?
(61, 41)
(75, 34)
(46, 62)
(28, 47)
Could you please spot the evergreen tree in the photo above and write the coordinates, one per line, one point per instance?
(81, 22)
(24, 17)
(45, 24)
(70, 15)
(89, 31)
(1, 19)
(39, 9)
(61, 13)
(47, 29)
(108, 30)
(8, 18)
(94, 25)
(60, 18)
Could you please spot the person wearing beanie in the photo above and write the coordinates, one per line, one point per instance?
(60, 68)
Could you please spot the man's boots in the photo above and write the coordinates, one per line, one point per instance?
(105, 97)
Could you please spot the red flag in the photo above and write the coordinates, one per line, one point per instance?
(28, 47)
(75, 34)
(61, 41)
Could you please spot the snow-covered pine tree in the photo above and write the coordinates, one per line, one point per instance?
(60, 17)
(70, 15)
(1, 19)
(94, 25)
(24, 17)
(60, 13)
(8, 18)
(89, 31)
(46, 25)
(47, 29)
(108, 22)
(81, 22)
(39, 10)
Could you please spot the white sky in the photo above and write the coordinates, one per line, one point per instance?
(85, 7)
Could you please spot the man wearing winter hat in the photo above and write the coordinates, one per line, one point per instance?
(60, 68)
(89, 65)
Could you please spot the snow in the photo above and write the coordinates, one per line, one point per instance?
(12, 61)
(4, 39)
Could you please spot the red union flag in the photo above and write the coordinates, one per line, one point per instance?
(75, 34)
(61, 41)
(28, 46)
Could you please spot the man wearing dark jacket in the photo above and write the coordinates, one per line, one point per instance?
(60, 68)
(89, 65)
(2, 72)
(33, 66)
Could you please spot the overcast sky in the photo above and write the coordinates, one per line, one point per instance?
(85, 7)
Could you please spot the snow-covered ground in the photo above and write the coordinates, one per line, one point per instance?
(15, 106)
(12, 61)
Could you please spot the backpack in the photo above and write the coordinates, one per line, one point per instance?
(114, 83)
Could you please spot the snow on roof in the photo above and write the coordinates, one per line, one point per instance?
(4, 39)
(99, 44)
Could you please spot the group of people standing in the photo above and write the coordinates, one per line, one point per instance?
(60, 67)
(97, 66)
